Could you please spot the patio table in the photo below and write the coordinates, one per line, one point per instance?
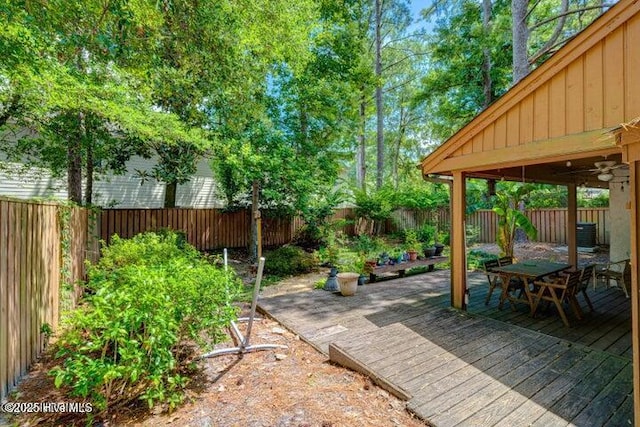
(528, 272)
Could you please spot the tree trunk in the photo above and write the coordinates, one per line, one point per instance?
(88, 192)
(74, 164)
(396, 147)
(255, 216)
(361, 160)
(379, 106)
(304, 126)
(520, 39)
(170, 190)
(487, 84)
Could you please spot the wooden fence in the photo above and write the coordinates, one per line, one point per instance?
(209, 229)
(550, 223)
(34, 251)
(206, 229)
(415, 218)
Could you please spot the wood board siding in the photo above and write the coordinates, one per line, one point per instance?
(32, 253)
(123, 191)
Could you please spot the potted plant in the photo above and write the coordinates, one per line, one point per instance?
(439, 245)
(396, 256)
(412, 244)
(429, 249)
(332, 259)
(361, 266)
(350, 267)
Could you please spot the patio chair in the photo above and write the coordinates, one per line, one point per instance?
(505, 260)
(620, 271)
(494, 279)
(586, 275)
(559, 292)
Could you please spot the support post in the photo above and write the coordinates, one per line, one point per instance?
(255, 222)
(458, 255)
(572, 223)
(634, 180)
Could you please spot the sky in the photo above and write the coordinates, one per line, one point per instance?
(417, 6)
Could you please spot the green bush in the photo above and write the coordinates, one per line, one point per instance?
(289, 261)
(150, 295)
(475, 259)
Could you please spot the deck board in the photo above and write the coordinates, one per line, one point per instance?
(482, 367)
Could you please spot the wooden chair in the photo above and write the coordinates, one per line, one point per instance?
(586, 275)
(494, 279)
(559, 292)
(505, 260)
(620, 271)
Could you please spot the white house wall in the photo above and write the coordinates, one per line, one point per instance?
(37, 183)
(119, 191)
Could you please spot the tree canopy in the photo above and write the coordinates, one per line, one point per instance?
(301, 97)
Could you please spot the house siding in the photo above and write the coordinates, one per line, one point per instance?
(122, 191)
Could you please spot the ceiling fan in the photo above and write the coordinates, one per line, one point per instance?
(603, 169)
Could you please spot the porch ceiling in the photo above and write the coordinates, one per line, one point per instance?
(570, 170)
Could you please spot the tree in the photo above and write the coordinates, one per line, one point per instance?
(379, 101)
(553, 26)
(82, 96)
(510, 218)
(453, 92)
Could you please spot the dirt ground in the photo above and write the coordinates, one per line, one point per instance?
(547, 251)
(292, 386)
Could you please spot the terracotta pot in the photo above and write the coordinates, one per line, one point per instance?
(348, 283)
(413, 255)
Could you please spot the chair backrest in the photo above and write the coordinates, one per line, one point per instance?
(506, 260)
(586, 274)
(627, 271)
(573, 280)
(621, 266)
(490, 264)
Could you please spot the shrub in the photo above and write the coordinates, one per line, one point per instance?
(427, 233)
(151, 294)
(289, 261)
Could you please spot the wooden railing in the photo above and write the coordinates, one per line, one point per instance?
(38, 253)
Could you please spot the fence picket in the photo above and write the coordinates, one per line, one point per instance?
(30, 251)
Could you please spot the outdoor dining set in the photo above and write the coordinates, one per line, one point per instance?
(537, 283)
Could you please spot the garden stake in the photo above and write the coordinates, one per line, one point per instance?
(245, 347)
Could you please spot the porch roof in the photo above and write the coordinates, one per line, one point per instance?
(569, 109)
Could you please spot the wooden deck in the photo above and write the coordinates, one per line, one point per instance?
(483, 367)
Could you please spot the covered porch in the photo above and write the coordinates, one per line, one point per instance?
(482, 366)
(574, 122)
